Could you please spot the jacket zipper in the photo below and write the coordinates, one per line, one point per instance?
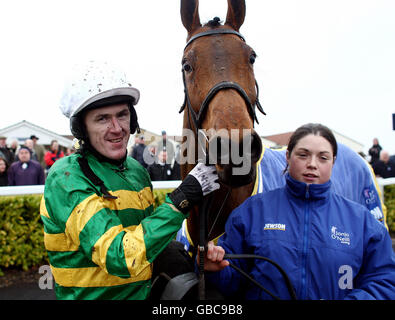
(305, 244)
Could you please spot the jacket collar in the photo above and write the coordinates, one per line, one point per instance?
(115, 164)
(307, 191)
(89, 149)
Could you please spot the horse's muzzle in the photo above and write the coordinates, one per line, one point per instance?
(235, 159)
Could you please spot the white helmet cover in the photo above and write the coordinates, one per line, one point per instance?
(92, 83)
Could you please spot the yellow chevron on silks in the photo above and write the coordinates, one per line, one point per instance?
(69, 241)
(99, 251)
(146, 197)
(84, 211)
(135, 251)
(93, 277)
(58, 242)
(43, 208)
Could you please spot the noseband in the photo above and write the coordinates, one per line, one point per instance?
(198, 117)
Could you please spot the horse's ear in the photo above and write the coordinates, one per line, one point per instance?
(190, 15)
(236, 13)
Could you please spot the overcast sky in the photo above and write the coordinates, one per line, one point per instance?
(318, 61)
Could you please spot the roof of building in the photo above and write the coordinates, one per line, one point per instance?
(282, 139)
(24, 129)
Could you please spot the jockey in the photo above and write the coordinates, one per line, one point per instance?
(100, 229)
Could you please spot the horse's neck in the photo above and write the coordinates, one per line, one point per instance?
(216, 222)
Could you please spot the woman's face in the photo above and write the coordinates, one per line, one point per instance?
(311, 160)
(2, 166)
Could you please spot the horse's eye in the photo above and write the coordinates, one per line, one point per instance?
(186, 67)
(252, 57)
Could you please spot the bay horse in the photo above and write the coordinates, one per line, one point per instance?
(221, 98)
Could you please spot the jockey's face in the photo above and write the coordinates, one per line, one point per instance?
(311, 160)
(108, 130)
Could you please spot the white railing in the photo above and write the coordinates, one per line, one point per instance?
(384, 182)
(20, 190)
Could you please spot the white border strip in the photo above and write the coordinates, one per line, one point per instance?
(39, 189)
(20, 190)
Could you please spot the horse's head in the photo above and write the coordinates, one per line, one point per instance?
(221, 91)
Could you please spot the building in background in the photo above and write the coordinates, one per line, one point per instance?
(23, 130)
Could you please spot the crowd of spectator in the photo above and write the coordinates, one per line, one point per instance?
(159, 159)
(26, 164)
(29, 163)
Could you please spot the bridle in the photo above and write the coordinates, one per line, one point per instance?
(197, 118)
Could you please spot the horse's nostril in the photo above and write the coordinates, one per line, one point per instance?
(249, 149)
(225, 151)
(256, 147)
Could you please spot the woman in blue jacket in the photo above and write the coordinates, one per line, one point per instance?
(330, 247)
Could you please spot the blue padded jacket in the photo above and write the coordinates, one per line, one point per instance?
(330, 247)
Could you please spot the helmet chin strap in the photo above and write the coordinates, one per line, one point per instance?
(88, 172)
(87, 146)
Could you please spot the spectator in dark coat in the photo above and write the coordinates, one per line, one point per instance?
(25, 171)
(138, 151)
(5, 152)
(160, 170)
(39, 150)
(3, 172)
(30, 144)
(374, 151)
(166, 145)
(385, 167)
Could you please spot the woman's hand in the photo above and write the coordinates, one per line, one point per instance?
(214, 259)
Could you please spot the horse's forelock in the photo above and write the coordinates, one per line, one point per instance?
(215, 22)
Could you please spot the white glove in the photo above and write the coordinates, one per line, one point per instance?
(207, 177)
(199, 182)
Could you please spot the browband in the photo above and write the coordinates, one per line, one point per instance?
(212, 32)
